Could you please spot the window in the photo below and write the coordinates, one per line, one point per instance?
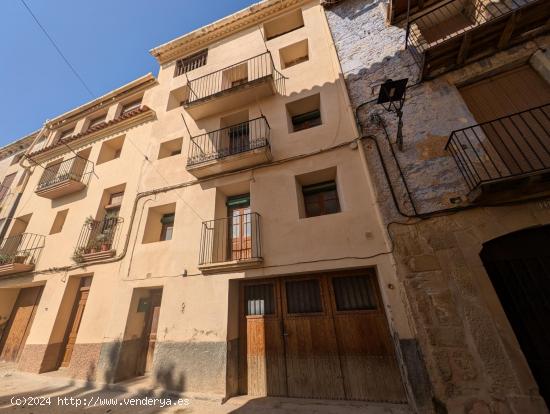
(170, 148)
(97, 121)
(66, 134)
(321, 199)
(306, 120)
(294, 54)
(354, 293)
(6, 185)
(129, 107)
(59, 221)
(177, 98)
(304, 113)
(235, 76)
(189, 63)
(16, 158)
(284, 24)
(110, 150)
(115, 200)
(160, 223)
(167, 228)
(260, 299)
(303, 296)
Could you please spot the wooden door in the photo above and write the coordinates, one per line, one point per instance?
(20, 322)
(312, 358)
(74, 321)
(323, 336)
(149, 335)
(262, 364)
(514, 142)
(367, 354)
(240, 228)
(518, 265)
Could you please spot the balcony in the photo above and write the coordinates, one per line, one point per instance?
(234, 86)
(458, 32)
(505, 159)
(98, 239)
(19, 253)
(231, 243)
(65, 177)
(230, 149)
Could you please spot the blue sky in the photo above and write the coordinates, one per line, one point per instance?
(107, 41)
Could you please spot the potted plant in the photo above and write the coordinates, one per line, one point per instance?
(5, 258)
(89, 221)
(21, 257)
(103, 241)
(78, 255)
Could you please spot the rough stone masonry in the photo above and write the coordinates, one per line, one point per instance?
(472, 358)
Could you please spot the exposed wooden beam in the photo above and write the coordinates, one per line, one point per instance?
(508, 30)
(464, 48)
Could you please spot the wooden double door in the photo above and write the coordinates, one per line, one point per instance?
(323, 336)
(19, 324)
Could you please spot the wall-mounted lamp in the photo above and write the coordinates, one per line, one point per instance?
(392, 98)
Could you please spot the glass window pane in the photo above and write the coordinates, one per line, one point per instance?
(259, 299)
(354, 293)
(303, 296)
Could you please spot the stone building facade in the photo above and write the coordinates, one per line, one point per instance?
(466, 334)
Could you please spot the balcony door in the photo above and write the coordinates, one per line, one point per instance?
(239, 138)
(239, 227)
(513, 141)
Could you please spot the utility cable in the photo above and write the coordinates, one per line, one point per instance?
(57, 48)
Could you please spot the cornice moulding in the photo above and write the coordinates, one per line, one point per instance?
(220, 29)
(59, 149)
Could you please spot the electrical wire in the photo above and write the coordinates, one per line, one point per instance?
(57, 48)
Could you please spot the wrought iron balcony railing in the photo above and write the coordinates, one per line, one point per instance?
(231, 239)
(239, 75)
(21, 249)
(444, 31)
(98, 236)
(74, 169)
(228, 141)
(512, 146)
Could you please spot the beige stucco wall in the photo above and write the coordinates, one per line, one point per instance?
(198, 318)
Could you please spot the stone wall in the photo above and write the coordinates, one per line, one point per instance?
(473, 359)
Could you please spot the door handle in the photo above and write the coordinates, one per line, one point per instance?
(285, 334)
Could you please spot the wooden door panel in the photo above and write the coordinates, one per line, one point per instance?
(312, 360)
(313, 364)
(265, 357)
(74, 325)
(369, 364)
(149, 333)
(16, 333)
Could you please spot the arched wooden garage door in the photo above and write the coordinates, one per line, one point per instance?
(317, 336)
(518, 265)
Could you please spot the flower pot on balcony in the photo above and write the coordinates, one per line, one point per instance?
(20, 259)
(105, 247)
